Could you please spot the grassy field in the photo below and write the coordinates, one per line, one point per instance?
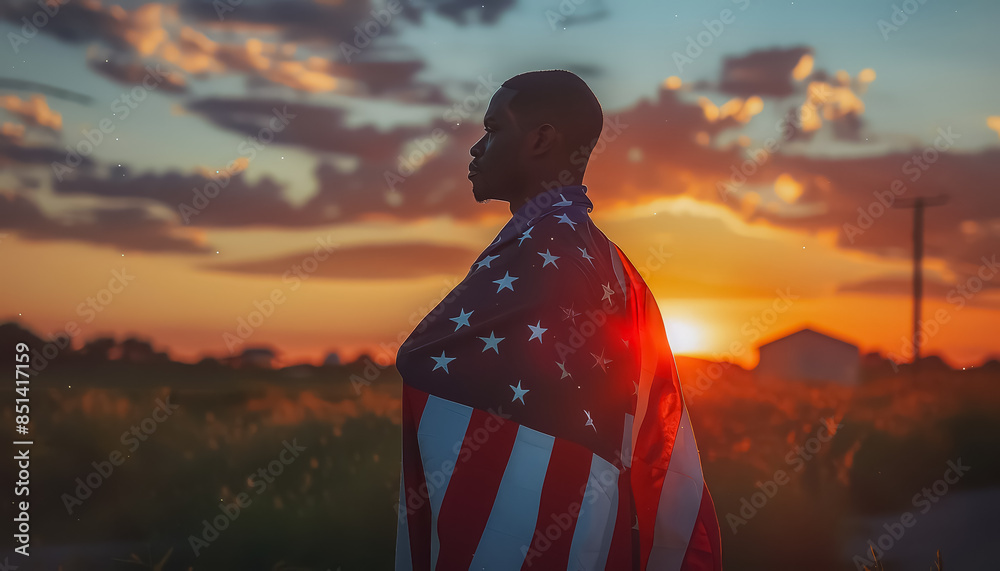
(844, 453)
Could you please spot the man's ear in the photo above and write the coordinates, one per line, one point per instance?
(543, 139)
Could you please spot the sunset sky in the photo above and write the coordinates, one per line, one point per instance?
(161, 99)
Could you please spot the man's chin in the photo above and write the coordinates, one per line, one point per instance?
(479, 198)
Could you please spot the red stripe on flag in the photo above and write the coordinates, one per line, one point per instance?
(655, 441)
(418, 508)
(657, 427)
(647, 482)
(472, 489)
(704, 552)
(562, 497)
(620, 553)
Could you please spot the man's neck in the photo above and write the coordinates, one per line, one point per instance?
(517, 203)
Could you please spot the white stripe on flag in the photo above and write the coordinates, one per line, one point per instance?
(404, 559)
(627, 441)
(595, 525)
(680, 501)
(442, 428)
(511, 524)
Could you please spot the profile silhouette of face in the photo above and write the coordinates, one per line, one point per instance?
(497, 168)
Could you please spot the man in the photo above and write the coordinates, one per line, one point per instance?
(543, 422)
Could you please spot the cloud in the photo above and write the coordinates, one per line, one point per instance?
(313, 127)
(783, 72)
(159, 33)
(12, 133)
(993, 122)
(848, 190)
(933, 289)
(134, 73)
(87, 20)
(238, 202)
(14, 153)
(763, 72)
(122, 228)
(34, 111)
(332, 22)
(403, 260)
(293, 20)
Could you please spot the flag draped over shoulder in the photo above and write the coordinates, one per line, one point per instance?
(543, 421)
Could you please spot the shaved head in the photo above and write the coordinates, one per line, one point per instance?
(561, 99)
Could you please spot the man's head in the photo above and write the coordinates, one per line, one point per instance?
(541, 127)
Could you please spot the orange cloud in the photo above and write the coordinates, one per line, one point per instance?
(994, 123)
(34, 110)
(787, 188)
(12, 131)
(803, 68)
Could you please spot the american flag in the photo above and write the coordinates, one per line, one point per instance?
(543, 421)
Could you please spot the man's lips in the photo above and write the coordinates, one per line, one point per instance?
(473, 173)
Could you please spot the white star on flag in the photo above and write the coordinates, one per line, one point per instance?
(608, 291)
(518, 392)
(492, 342)
(586, 255)
(462, 319)
(536, 331)
(485, 261)
(526, 234)
(570, 314)
(442, 362)
(590, 421)
(505, 282)
(601, 360)
(549, 258)
(565, 373)
(564, 219)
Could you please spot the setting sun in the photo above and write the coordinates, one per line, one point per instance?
(685, 336)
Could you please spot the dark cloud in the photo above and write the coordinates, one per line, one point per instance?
(471, 11)
(849, 127)
(390, 78)
(75, 22)
(132, 229)
(403, 260)
(653, 148)
(895, 287)
(236, 201)
(961, 231)
(762, 72)
(312, 127)
(13, 153)
(577, 18)
(933, 289)
(133, 72)
(295, 20)
(50, 90)
(332, 23)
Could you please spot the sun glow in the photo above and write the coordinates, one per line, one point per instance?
(684, 336)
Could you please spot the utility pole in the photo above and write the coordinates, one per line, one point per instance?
(918, 204)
